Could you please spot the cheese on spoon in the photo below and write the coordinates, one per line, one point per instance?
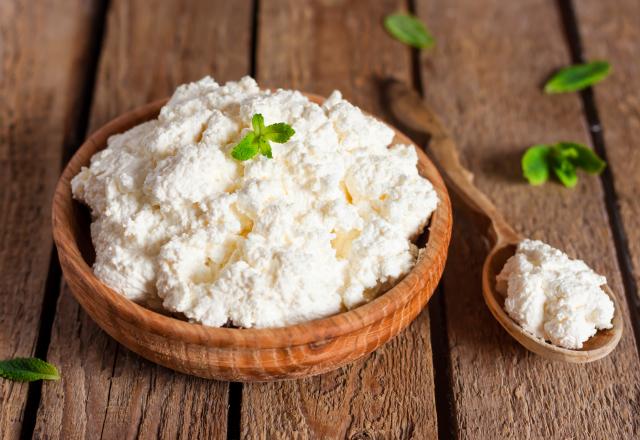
(554, 297)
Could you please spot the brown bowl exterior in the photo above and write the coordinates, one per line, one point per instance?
(243, 354)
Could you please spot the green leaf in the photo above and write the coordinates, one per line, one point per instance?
(409, 30)
(563, 158)
(535, 166)
(265, 147)
(246, 148)
(565, 151)
(584, 157)
(28, 370)
(564, 170)
(257, 141)
(279, 132)
(258, 124)
(577, 77)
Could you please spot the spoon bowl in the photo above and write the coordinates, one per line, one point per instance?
(408, 107)
(596, 347)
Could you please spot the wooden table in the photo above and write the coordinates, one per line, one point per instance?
(67, 66)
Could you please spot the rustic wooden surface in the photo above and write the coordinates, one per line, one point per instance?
(41, 74)
(487, 89)
(483, 77)
(107, 391)
(618, 104)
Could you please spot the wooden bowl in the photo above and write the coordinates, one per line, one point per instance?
(240, 354)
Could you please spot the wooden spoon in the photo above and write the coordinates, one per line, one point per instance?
(407, 106)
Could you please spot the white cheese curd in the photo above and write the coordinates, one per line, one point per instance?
(322, 227)
(554, 297)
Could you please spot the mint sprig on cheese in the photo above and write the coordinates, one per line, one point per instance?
(258, 140)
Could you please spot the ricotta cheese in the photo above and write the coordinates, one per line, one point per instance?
(554, 297)
(180, 225)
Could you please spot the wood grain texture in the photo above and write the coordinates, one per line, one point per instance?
(342, 45)
(41, 74)
(150, 47)
(381, 396)
(611, 31)
(484, 78)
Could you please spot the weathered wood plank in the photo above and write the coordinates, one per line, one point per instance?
(107, 391)
(484, 77)
(613, 34)
(389, 394)
(41, 77)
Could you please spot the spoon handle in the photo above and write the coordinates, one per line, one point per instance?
(410, 109)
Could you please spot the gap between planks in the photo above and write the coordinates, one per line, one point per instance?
(234, 413)
(592, 118)
(47, 313)
(445, 407)
(54, 276)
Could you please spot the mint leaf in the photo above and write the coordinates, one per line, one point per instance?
(257, 141)
(563, 158)
(565, 171)
(258, 124)
(584, 157)
(279, 132)
(535, 166)
(246, 148)
(577, 77)
(27, 370)
(409, 30)
(265, 147)
(565, 151)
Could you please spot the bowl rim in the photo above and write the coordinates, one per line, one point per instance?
(440, 225)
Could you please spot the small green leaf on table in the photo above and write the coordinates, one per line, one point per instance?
(584, 157)
(409, 30)
(564, 170)
(28, 370)
(577, 77)
(534, 164)
(563, 159)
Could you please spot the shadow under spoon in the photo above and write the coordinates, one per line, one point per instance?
(409, 109)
